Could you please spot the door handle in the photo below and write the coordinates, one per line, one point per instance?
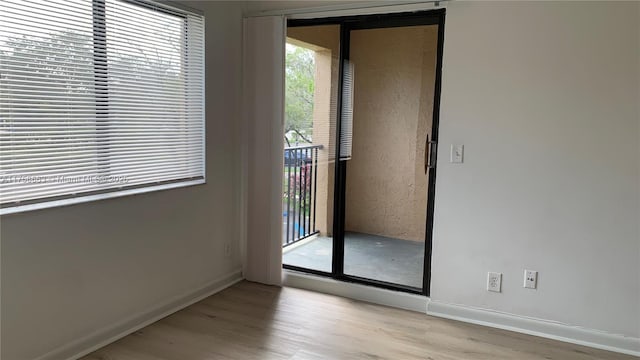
(429, 154)
(426, 155)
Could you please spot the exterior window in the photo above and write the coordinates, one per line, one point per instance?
(98, 99)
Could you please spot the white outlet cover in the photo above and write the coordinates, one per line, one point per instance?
(494, 282)
(530, 279)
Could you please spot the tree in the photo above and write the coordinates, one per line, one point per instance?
(299, 89)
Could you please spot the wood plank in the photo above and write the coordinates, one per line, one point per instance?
(255, 321)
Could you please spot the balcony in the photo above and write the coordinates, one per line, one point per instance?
(305, 246)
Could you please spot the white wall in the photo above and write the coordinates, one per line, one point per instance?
(257, 6)
(71, 271)
(544, 96)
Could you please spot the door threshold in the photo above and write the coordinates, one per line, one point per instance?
(375, 295)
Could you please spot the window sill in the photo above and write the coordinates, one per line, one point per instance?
(89, 198)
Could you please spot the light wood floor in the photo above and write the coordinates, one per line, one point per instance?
(253, 321)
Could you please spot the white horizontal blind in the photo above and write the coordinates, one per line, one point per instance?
(98, 96)
(346, 119)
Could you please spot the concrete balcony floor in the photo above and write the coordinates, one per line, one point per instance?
(369, 256)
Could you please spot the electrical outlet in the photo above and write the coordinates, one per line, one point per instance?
(530, 279)
(494, 282)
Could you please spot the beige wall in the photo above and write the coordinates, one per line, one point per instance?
(325, 40)
(386, 190)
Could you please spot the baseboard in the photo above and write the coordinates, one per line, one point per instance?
(109, 334)
(537, 327)
(360, 292)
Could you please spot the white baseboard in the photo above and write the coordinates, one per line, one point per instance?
(109, 334)
(370, 294)
(543, 328)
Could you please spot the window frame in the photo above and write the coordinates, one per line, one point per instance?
(100, 69)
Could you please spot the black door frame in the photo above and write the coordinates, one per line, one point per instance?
(359, 22)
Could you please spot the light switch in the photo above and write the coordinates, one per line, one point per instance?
(457, 153)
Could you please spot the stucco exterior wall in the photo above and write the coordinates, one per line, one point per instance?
(386, 190)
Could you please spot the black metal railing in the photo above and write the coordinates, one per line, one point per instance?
(299, 193)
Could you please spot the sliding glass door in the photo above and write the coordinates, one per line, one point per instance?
(383, 93)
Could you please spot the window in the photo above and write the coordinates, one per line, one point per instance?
(98, 99)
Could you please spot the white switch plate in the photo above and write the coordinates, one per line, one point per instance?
(457, 154)
(530, 279)
(494, 282)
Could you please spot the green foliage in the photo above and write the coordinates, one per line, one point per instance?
(299, 88)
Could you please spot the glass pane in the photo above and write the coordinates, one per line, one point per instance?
(311, 88)
(386, 188)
